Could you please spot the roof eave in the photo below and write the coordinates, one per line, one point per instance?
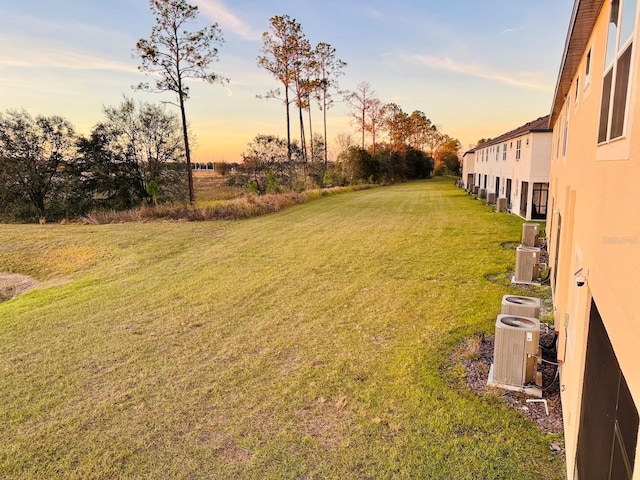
(583, 18)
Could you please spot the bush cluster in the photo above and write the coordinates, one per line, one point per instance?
(244, 207)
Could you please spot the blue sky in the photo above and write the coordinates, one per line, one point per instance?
(476, 68)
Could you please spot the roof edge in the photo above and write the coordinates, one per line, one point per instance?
(584, 15)
(519, 131)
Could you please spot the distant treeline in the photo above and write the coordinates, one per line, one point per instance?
(48, 172)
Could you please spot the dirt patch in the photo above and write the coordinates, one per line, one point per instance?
(13, 284)
(326, 421)
(476, 361)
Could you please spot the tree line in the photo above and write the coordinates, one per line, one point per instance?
(402, 146)
(48, 171)
(141, 152)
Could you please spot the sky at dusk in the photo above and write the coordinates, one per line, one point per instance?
(475, 68)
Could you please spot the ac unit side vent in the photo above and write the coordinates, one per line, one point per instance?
(529, 234)
(515, 350)
(526, 260)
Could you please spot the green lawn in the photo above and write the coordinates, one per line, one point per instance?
(303, 344)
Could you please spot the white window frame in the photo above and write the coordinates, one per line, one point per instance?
(620, 49)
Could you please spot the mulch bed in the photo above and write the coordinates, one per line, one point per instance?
(477, 372)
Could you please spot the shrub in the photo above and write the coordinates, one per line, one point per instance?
(235, 209)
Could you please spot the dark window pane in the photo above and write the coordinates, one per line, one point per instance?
(540, 199)
(604, 107)
(620, 94)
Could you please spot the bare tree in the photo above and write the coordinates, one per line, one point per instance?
(146, 135)
(302, 86)
(360, 102)
(176, 54)
(328, 69)
(375, 118)
(280, 57)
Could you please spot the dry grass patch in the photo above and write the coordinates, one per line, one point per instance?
(471, 347)
(247, 206)
(13, 284)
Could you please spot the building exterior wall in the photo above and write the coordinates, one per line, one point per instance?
(593, 224)
(503, 161)
(468, 168)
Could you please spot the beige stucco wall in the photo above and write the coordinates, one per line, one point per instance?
(596, 191)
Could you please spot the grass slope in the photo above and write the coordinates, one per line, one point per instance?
(304, 344)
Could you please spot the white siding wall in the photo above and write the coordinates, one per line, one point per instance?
(532, 166)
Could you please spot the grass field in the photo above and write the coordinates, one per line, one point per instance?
(303, 344)
(210, 187)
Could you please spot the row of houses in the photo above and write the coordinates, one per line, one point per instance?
(590, 200)
(514, 166)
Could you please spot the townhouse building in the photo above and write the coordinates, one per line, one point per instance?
(593, 231)
(515, 166)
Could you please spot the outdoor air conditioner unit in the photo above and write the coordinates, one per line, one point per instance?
(475, 189)
(482, 193)
(501, 205)
(529, 234)
(526, 260)
(521, 306)
(515, 350)
(491, 198)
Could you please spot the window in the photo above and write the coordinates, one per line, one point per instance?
(518, 145)
(577, 89)
(587, 68)
(615, 85)
(558, 138)
(504, 152)
(540, 200)
(566, 128)
(497, 152)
